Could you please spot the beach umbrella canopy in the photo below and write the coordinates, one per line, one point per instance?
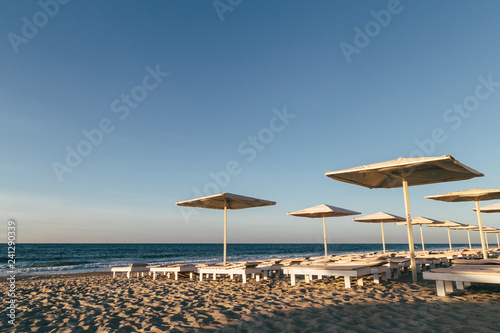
(381, 218)
(475, 194)
(419, 220)
(494, 208)
(404, 172)
(323, 211)
(225, 201)
(447, 224)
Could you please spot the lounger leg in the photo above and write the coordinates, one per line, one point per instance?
(264, 273)
(253, 275)
(257, 277)
(466, 284)
(231, 276)
(168, 275)
(215, 277)
(176, 276)
(201, 276)
(128, 275)
(440, 288)
(307, 277)
(114, 274)
(320, 277)
(448, 285)
(244, 276)
(347, 282)
(154, 275)
(360, 282)
(190, 275)
(293, 279)
(376, 278)
(460, 285)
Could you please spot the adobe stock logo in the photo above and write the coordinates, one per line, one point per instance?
(29, 28)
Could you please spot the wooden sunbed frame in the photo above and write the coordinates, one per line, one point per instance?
(346, 271)
(461, 276)
(176, 269)
(134, 268)
(231, 271)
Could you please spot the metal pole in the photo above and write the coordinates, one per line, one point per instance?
(422, 238)
(225, 232)
(449, 238)
(486, 240)
(324, 236)
(383, 237)
(498, 243)
(468, 237)
(410, 231)
(478, 210)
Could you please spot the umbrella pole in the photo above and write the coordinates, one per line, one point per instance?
(225, 232)
(422, 238)
(410, 231)
(324, 236)
(480, 222)
(498, 243)
(449, 238)
(468, 237)
(383, 238)
(486, 241)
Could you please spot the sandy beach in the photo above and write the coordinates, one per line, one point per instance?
(99, 303)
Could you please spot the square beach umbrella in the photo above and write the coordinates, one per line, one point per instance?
(404, 172)
(419, 220)
(225, 201)
(381, 218)
(323, 211)
(475, 194)
(447, 224)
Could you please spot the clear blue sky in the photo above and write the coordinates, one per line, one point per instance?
(170, 92)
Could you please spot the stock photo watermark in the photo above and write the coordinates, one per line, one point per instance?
(31, 26)
(11, 265)
(94, 137)
(248, 149)
(223, 6)
(455, 115)
(363, 36)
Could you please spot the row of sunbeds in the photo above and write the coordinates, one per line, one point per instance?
(444, 267)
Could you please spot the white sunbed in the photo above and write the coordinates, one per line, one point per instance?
(242, 269)
(346, 270)
(462, 276)
(176, 269)
(134, 268)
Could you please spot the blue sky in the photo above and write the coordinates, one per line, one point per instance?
(173, 92)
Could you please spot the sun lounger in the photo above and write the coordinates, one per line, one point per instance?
(477, 262)
(134, 268)
(461, 276)
(176, 269)
(346, 270)
(242, 269)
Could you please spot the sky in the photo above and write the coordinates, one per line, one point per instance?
(111, 111)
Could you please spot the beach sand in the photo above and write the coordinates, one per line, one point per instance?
(99, 303)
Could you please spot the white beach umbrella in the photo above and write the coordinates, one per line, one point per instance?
(420, 220)
(468, 228)
(225, 201)
(381, 218)
(476, 195)
(323, 211)
(496, 232)
(447, 224)
(404, 172)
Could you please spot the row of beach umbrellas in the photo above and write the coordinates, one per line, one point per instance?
(402, 172)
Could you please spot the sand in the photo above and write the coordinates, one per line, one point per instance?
(99, 303)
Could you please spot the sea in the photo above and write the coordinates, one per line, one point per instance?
(48, 259)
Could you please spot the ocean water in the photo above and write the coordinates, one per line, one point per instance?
(39, 259)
